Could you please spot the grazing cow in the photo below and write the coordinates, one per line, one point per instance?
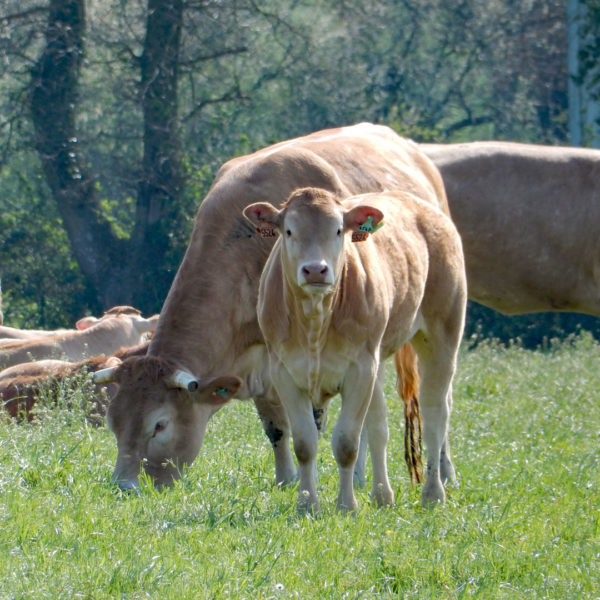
(13, 334)
(331, 311)
(119, 327)
(21, 384)
(208, 324)
(526, 217)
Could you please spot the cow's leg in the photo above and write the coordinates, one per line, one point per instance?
(447, 472)
(376, 429)
(360, 467)
(356, 396)
(437, 360)
(277, 428)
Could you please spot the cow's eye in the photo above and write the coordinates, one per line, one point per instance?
(160, 426)
(288, 232)
(339, 232)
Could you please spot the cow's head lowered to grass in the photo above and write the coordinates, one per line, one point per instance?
(312, 248)
(159, 417)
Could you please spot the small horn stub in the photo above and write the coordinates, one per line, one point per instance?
(183, 380)
(104, 375)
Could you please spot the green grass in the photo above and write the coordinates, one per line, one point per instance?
(523, 521)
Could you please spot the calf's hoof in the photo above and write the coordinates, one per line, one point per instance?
(433, 493)
(382, 495)
(308, 505)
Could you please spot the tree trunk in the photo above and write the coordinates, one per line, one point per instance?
(53, 98)
(118, 271)
(584, 108)
(160, 186)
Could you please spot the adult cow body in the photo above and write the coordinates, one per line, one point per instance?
(528, 218)
(120, 326)
(208, 324)
(332, 311)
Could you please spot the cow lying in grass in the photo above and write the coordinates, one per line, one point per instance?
(331, 311)
(12, 334)
(119, 327)
(21, 385)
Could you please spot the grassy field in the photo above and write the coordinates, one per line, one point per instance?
(522, 522)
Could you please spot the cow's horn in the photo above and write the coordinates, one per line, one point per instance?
(104, 375)
(183, 380)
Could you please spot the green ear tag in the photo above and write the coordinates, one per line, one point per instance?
(368, 226)
(222, 392)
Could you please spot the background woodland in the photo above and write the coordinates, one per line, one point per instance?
(116, 114)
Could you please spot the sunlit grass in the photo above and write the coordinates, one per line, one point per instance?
(523, 521)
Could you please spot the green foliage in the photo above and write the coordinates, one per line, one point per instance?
(523, 522)
(537, 330)
(41, 283)
(249, 76)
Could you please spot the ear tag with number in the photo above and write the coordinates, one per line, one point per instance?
(365, 229)
(266, 231)
(368, 227)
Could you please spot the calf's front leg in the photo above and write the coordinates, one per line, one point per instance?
(305, 438)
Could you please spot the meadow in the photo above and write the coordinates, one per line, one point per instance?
(521, 522)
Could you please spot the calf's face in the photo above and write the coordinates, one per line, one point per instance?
(312, 224)
(159, 417)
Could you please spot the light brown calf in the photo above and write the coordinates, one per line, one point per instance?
(331, 311)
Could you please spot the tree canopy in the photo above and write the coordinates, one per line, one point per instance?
(115, 115)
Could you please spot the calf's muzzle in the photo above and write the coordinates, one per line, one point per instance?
(315, 273)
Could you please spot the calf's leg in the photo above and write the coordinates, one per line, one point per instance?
(377, 431)
(305, 435)
(437, 358)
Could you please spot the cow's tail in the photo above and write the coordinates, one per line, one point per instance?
(407, 383)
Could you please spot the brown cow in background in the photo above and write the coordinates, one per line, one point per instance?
(21, 385)
(528, 217)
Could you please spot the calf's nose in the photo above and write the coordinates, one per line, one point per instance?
(315, 272)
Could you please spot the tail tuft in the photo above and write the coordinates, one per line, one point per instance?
(407, 383)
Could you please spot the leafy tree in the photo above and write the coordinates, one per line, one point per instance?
(133, 105)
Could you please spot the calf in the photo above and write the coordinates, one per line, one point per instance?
(332, 311)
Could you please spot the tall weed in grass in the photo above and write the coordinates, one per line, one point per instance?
(522, 522)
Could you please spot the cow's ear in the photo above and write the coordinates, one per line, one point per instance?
(86, 322)
(218, 390)
(362, 220)
(264, 217)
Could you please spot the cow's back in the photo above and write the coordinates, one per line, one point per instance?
(527, 216)
(225, 257)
